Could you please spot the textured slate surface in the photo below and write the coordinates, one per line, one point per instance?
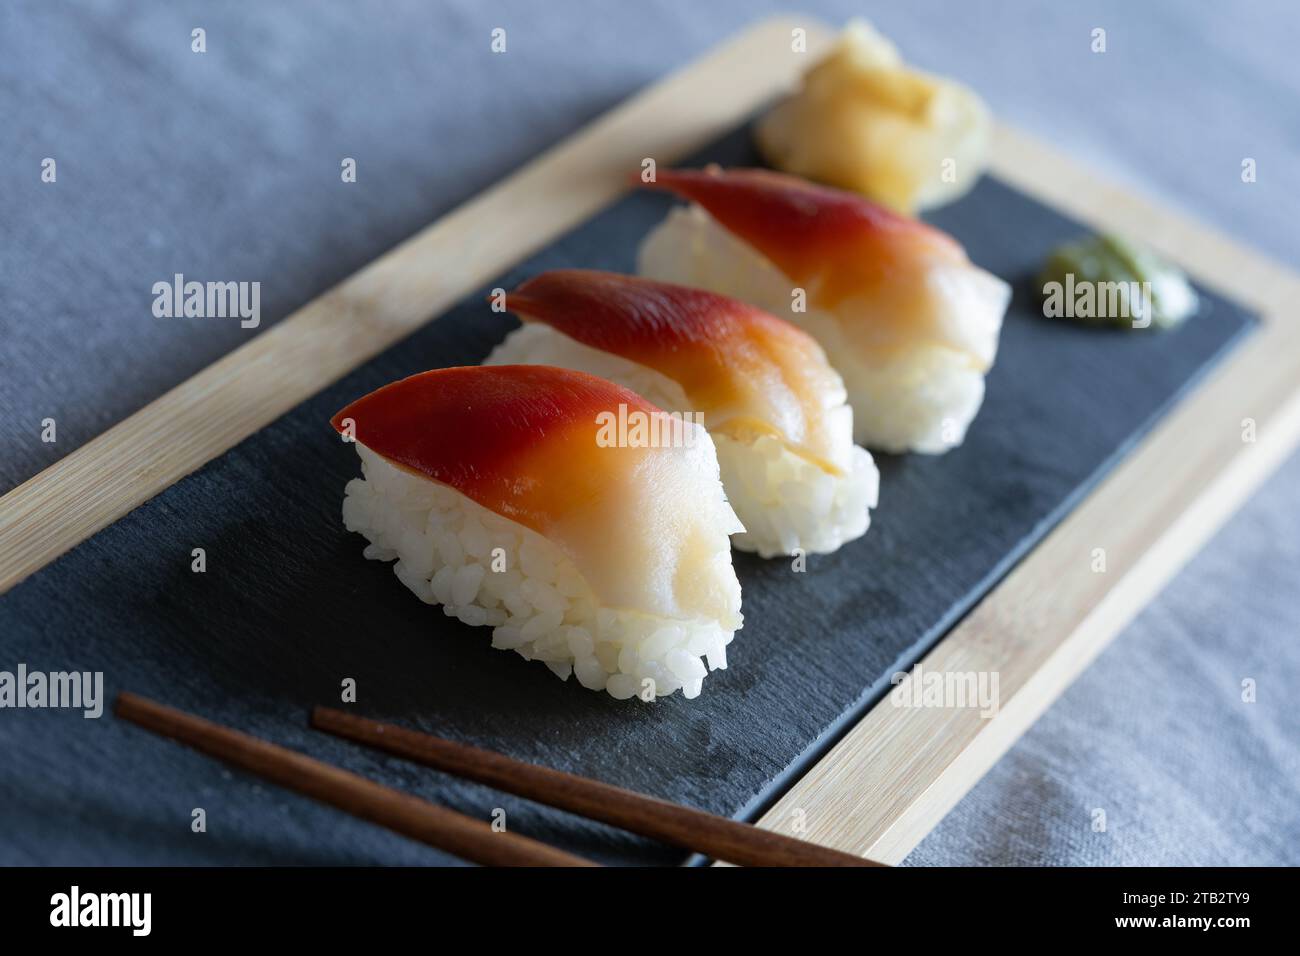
(288, 607)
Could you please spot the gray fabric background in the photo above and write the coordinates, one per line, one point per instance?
(225, 165)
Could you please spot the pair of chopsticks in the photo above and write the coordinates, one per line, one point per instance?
(470, 839)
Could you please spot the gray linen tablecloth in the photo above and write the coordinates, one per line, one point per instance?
(226, 163)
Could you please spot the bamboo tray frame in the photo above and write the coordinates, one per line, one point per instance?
(894, 775)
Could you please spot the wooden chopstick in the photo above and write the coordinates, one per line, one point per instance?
(714, 836)
(467, 838)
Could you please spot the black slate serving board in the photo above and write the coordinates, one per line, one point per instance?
(288, 608)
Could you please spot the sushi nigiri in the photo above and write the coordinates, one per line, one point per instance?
(903, 314)
(773, 405)
(491, 489)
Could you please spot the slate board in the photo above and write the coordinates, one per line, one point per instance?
(288, 607)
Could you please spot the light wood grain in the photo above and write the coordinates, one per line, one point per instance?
(882, 787)
(407, 287)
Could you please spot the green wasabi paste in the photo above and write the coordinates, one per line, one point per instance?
(1106, 280)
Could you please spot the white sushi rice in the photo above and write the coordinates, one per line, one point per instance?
(922, 399)
(786, 502)
(789, 504)
(539, 606)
